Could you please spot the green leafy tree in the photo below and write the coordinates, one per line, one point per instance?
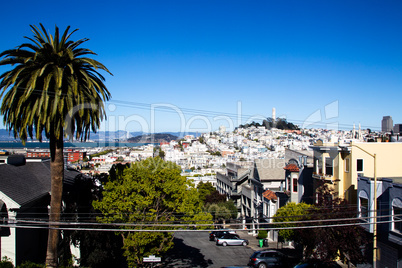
(222, 211)
(97, 248)
(29, 264)
(213, 210)
(6, 263)
(53, 88)
(162, 154)
(280, 123)
(232, 208)
(228, 208)
(205, 189)
(150, 191)
(288, 213)
(338, 242)
(100, 153)
(215, 197)
(262, 234)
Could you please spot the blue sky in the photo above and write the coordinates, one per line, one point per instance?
(211, 63)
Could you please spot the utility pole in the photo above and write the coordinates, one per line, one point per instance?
(375, 214)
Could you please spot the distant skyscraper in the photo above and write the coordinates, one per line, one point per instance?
(273, 114)
(387, 124)
(398, 129)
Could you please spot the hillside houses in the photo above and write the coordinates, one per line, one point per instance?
(25, 190)
(261, 170)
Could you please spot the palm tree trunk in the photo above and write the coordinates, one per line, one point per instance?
(57, 174)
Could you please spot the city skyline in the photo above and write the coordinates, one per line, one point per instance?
(202, 64)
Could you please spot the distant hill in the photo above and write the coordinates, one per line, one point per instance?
(158, 137)
(5, 135)
(279, 123)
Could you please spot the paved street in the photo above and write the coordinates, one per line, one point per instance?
(193, 249)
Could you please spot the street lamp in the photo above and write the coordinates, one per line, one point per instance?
(374, 206)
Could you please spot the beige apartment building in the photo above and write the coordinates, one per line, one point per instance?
(340, 164)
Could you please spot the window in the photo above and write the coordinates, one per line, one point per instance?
(328, 166)
(347, 165)
(4, 231)
(363, 207)
(397, 219)
(359, 165)
(288, 188)
(318, 165)
(295, 185)
(397, 215)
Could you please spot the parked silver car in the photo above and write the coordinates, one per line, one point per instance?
(216, 234)
(231, 240)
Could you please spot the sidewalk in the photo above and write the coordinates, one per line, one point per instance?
(254, 243)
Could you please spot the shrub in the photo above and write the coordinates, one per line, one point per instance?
(29, 264)
(6, 263)
(262, 234)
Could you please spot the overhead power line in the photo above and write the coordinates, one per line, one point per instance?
(189, 111)
(183, 230)
(202, 112)
(90, 215)
(164, 224)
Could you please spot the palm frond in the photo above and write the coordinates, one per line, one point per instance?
(52, 80)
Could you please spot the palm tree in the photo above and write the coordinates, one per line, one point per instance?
(53, 88)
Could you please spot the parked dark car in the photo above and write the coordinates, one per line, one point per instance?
(268, 258)
(317, 263)
(216, 234)
(231, 240)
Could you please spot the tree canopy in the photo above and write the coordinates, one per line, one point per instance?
(52, 87)
(288, 213)
(279, 123)
(216, 203)
(205, 189)
(55, 88)
(215, 198)
(330, 243)
(325, 243)
(150, 194)
(97, 248)
(222, 211)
